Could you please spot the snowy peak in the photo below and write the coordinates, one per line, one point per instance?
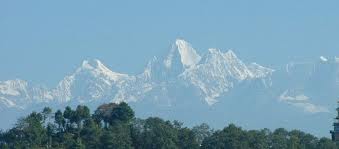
(150, 68)
(217, 73)
(180, 57)
(259, 71)
(229, 63)
(189, 57)
(19, 94)
(91, 81)
(231, 54)
(12, 87)
(92, 63)
(97, 68)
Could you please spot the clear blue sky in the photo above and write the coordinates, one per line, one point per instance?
(42, 40)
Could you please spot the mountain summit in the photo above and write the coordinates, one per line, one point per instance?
(189, 57)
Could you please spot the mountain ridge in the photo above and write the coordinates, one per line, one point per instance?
(99, 80)
(210, 84)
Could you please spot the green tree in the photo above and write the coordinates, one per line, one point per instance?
(68, 140)
(231, 137)
(114, 113)
(116, 137)
(90, 134)
(79, 130)
(78, 145)
(32, 129)
(69, 117)
(81, 113)
(279, 139)
(258, 139)
(14, 138)
(201, 132)
(104, 113)
(50, 130)
(187, 139)
(122, 113)
(59, 120)
(137, 130)
(4, 146)
(158, 134)
(325, 143)
(46, 113)
(3, 143)
(299, 139)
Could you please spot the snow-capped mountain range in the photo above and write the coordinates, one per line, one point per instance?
(213, 74)
(182, 78)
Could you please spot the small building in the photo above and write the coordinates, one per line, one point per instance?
(335, 131)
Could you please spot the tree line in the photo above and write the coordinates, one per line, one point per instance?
(114, 126)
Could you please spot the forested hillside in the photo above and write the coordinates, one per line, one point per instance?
(114, 126)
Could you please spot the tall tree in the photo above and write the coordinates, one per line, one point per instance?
(104, 113)
(81, 113)
(158, 133)
(117, 137)
(59, 120)
(114, 113)
(187, 139)
(90, 134)
(32, 129)
(69, 117)
(258, 139)
(201, 132)
(123, 113)
(279, 139)
(231, 137)
(46, 113)
(50, 131)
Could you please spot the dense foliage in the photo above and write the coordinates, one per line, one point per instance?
(114, 126)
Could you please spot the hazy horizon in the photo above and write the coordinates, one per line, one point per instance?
(44, 41)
